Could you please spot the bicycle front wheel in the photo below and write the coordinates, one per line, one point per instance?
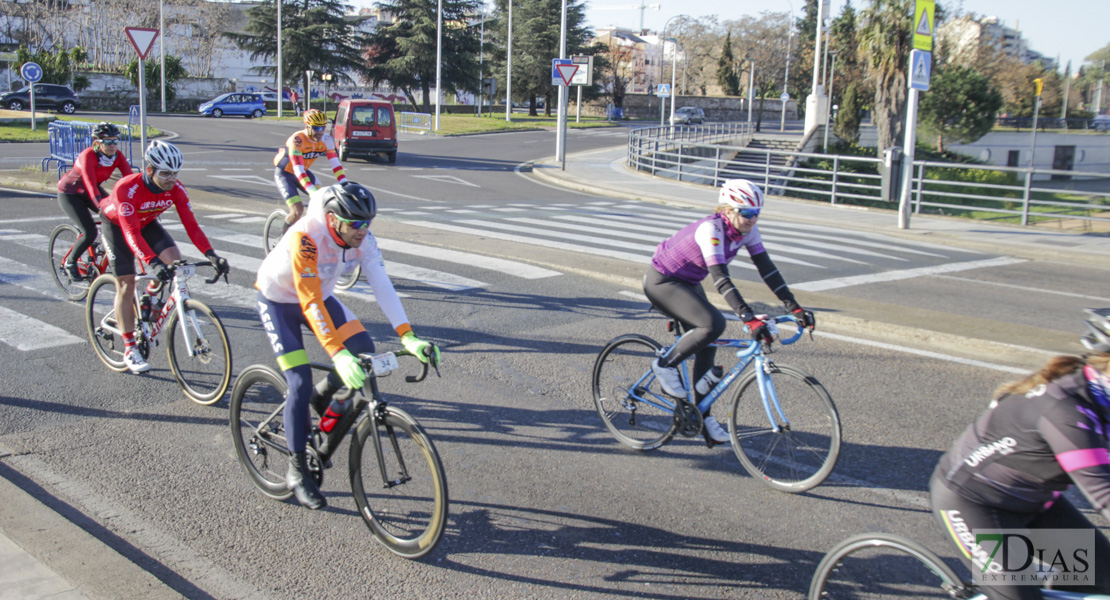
(258, 429)
(273, 230)
(60, 247)
(100, 317)
(802, 453)
(874, 566)
(627, 396)
(398, 482)
(205, 374)
(348, 281)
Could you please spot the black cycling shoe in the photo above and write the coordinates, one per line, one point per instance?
(301, 482)
(74, 274)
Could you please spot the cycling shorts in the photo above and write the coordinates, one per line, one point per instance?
(290, 188)
(120, 253)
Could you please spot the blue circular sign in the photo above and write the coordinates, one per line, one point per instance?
(31, 72)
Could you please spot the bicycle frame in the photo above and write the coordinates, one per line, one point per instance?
(749, 352)
(179, 293)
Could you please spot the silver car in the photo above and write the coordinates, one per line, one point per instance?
(688, 115)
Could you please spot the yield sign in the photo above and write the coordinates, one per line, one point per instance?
(566, 72)
(142, 39)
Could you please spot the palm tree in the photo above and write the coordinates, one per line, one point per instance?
(886, 38)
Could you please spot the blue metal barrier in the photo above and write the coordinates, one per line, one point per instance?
(69, 138)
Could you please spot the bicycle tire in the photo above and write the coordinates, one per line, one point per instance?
(203, 377)
(798, 457)
(62, 240)
(348, 280)
(623, 362)
(408, 516)
(273, 229)
(100, 314)
(871, 566)
(259, 392)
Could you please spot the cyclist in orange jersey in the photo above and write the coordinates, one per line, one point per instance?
(294, 158)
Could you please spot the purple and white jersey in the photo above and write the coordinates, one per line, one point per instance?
(688, 254)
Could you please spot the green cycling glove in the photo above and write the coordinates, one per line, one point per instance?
(418, 347)
(349, 369)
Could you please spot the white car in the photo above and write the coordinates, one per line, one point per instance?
(688, 115)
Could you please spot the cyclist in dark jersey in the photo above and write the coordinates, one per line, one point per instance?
(80, 190)
(673, 284)
(1010, 467)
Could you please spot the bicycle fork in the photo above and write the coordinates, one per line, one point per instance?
(770, 398)
(378, 414)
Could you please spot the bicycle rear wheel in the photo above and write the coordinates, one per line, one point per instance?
(100, 317)
(398, 482)
(349, 280)
(874, 566)
(804, 451)
(273, 230)
(205, 375)
(60, 246)
(627, 396)
(258, 429)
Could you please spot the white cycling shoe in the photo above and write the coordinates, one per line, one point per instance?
(669, 379)
(135, 362)
(715, 432)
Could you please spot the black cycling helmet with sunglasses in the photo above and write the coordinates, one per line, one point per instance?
(350, 202)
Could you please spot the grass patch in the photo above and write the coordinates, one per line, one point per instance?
(21, 132)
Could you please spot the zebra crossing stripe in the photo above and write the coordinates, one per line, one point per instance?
(592, 239)
(501, 265)
(432, 277)
(840, 282)
(25, 333)
(532, 241)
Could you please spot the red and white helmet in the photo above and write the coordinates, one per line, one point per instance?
(741, 193)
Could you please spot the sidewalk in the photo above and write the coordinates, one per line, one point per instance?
(603, 172)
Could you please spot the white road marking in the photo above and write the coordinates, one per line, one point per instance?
(1026, 288)
(448, 179)
(25, 333)
(508, 267)
(255, 179)
(636, 258)
(840, 282)
(249, 220)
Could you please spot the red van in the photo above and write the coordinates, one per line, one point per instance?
(365, 127)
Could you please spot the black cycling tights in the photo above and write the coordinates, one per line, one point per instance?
(687, 303)
(960, 516)
(78, 208)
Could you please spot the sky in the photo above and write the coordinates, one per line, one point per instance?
(1070, 35)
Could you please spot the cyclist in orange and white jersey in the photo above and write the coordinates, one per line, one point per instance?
(294, 158)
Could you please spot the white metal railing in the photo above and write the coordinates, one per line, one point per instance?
(416, 122)
(1021, 194)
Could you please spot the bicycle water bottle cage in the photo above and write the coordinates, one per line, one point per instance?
(687, 419)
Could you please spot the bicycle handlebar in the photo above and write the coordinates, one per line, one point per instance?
(789, 319)
(366, 360)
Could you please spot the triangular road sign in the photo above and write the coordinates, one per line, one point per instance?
(142, 39)
(923, 27)
(566, 72)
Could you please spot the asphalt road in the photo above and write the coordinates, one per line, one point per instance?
(544, 503)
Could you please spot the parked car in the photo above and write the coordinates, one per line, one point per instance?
(1101, 122)
(48, 96)
(246, 104)
(364, 128)
(688, 115)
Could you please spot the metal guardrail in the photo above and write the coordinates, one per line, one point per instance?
(980, 191)
(416, 122)
(69, 138)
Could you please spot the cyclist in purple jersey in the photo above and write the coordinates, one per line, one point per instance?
(673, 284)
(1009, 468)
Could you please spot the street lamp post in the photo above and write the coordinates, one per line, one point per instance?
(481, 50)
(751, 86)
(327, 77)
(162, 51)
(509, 67)
(308, 89)
(786, 78)
(828, 114)
(674, 61)
(439, 58)
(280, 81)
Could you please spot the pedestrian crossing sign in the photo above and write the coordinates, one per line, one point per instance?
(663, 91)
(921, 63)
(923, 14)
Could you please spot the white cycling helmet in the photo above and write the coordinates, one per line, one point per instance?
(163, 156)
(741, 193)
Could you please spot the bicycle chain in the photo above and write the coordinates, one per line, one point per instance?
(688, 420)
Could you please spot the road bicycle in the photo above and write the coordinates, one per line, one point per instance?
(276, 227)
(783, 425)
(90, 264)
(397, 478)
(871, 566)
(196, 342)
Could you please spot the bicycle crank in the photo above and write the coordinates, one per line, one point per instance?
(688, 421)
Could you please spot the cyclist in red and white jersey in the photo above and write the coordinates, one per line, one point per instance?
(80, 190)
(292, 161)
(131, 229)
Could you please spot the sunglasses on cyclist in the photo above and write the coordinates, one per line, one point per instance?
(166, 174)
(110, 142)
(319, 128)
(355, 224)
(748, 213)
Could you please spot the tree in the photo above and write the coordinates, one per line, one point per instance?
(960, 104)
(727, 77)
(616, 72)
(699, 43)
(403, 53)
(57, 64)
(152, 76)
(885, 39)
(763, 40)
(315, 36)
(848, 119)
